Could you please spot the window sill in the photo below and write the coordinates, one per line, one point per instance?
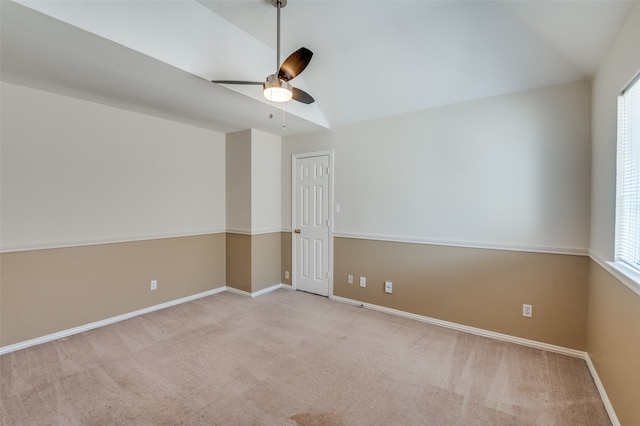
(627, 275)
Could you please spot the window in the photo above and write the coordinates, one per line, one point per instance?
(628, 178)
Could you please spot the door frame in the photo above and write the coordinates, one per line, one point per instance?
(294, 197)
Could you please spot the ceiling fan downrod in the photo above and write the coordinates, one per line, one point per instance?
(278, 4)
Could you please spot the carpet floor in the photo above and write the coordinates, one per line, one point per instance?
(290, 358)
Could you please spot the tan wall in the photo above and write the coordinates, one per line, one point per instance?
(265, 261)
(613, 341)
(239, 261)
(46, 291)
(253, 261)
(285, 256)
(474, 287)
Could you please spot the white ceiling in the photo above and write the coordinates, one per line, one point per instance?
(371, 58)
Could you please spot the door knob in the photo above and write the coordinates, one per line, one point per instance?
(297, 231)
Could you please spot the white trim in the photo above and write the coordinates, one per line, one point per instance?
(467, 329)
(571, 251)
(603, 393)
(266, 290)
(598, 259)
(238, 292)
(299, 155)
(294, 198)
(625, 275)
(255, 232)
(619, 272)
(294, 157)
(332, 219)
(239, 231)
(266, 231)
(82, 243)
(256, 293)
(107, 321)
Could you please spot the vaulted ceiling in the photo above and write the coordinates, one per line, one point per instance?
(371, 58)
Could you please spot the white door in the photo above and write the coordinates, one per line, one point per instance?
(311, 224)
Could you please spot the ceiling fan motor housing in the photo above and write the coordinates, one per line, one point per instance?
(277, 90)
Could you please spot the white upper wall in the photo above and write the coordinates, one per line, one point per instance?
(253, 182)
(238, 172)
(621, 64)
(511, 171)
(77, 172)
(266, 199)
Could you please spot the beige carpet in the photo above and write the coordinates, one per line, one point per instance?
(290, 358)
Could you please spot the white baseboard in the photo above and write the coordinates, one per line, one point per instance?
(266, 290)
(603, 393)
(257, 293)
(238, 292)
(128, 315)
(107, 321)
(468, 329)
(499, 336)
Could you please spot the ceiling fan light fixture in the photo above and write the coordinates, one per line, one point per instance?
(277, 87)
(277, 90)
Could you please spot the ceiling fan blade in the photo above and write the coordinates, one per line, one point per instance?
(295, 64)
(260, 83)
(302, 96)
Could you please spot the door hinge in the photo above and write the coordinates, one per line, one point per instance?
(328, 170)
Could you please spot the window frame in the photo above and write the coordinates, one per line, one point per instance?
(627, 195)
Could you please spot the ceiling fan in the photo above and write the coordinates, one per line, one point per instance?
(277, 88)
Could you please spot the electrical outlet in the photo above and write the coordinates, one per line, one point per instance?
(527, 311)
(349, 279)
(363, 281)
(154, 284)
(286, 275)
(388, 287)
